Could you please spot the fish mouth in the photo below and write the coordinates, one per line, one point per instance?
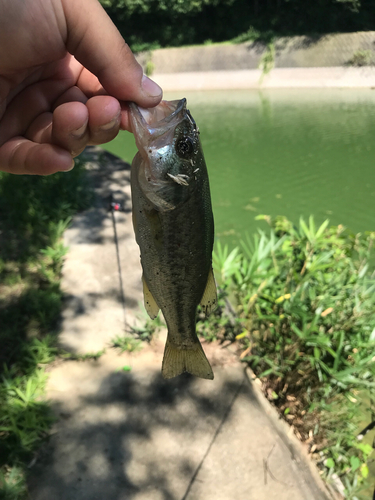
(149, 124)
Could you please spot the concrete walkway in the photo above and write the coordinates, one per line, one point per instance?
(130, 435)
(93, 312)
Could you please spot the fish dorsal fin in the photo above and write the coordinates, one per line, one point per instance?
(209, 299)
(150, 304)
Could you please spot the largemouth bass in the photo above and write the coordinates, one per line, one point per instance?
(174, 228)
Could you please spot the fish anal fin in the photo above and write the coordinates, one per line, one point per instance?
(150, 303)
(193, 360)
(209, 299)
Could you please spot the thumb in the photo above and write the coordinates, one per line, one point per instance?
(96, 43)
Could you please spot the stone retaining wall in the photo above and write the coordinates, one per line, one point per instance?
(294, 52)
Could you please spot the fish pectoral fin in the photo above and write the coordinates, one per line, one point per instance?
(209, 299)
(150, 303)
(192, 360)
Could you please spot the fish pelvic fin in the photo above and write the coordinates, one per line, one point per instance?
(192, 360)
(150, 303)
(209, 299)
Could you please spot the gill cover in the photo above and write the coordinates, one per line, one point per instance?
(168, 143)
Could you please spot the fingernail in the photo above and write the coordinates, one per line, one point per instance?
(150, 87)
(79, 132)
(112, 123)
(69, 168)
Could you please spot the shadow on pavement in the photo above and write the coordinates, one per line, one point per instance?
(135, 437)
(101, 275)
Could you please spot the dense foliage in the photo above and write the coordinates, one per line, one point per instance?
(152, 23)
(303, 310)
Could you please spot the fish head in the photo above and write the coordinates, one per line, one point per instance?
(168, 141)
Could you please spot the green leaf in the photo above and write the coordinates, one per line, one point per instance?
(329, 463)
(355, 463)
(364, 470)
(305, 229)
(242, 335)
(322, 228)
(366, 449)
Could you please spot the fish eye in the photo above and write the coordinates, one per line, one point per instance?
(184, 147)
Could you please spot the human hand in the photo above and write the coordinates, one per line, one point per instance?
(65, 74)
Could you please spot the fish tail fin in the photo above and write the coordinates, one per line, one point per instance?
(192, 360)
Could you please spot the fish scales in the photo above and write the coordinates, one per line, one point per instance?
(177, 268)
(174, 229)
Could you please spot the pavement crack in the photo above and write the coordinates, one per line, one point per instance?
(217, 432)
(114, 207)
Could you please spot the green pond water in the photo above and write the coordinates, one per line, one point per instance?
(284, 152)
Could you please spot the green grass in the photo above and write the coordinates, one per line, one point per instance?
(81, 357)
(35, 211)
(126, 343)
(304, 313)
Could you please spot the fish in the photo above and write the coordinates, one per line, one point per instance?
(174, 228)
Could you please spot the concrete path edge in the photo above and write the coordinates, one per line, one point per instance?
(297, 450)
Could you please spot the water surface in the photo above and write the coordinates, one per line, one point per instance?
(284, 152)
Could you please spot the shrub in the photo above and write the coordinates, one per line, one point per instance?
(361, 58)
(304, 298)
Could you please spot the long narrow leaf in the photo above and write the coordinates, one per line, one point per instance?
(321, 229)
